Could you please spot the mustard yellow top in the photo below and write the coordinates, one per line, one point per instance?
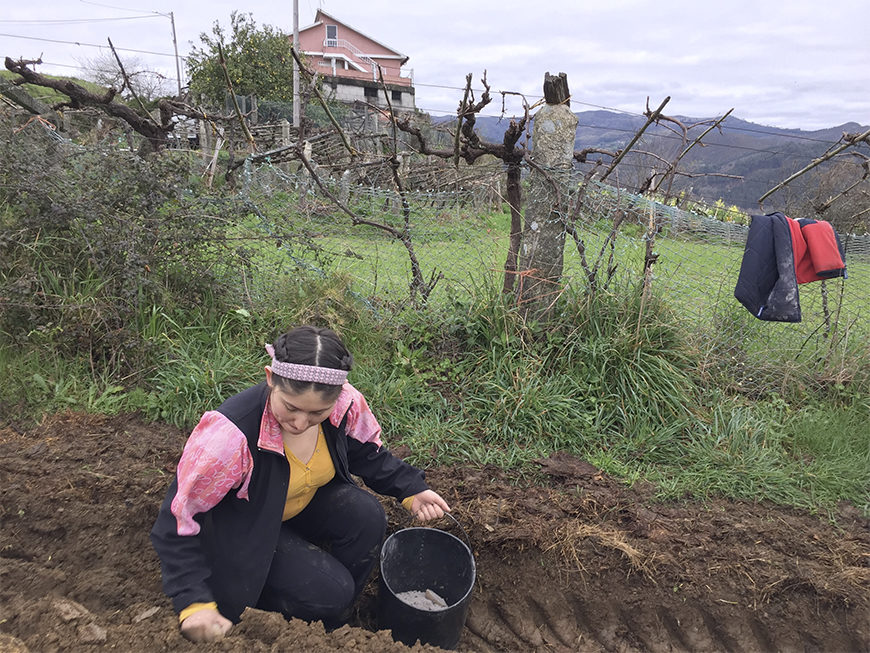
(305, 478)
(195, 607)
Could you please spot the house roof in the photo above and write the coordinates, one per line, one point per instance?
(321, 16)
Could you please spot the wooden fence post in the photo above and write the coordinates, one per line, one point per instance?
(543, 243)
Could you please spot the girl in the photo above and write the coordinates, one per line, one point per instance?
(263, 511)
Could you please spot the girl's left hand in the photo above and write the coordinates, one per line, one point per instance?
(427, 505)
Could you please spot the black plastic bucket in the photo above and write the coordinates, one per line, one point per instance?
(419, 559)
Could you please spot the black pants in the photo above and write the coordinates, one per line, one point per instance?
(325, 555)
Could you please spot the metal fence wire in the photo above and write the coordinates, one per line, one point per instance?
(451, 230)
(461, 236)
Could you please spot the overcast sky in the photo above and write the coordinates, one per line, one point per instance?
(786, 63)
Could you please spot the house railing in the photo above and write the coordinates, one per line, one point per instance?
(350, 47)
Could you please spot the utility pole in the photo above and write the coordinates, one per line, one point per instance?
(170, 16)
(296, 113)
(175, 45)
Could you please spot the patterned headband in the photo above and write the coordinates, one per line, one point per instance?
(312, 373)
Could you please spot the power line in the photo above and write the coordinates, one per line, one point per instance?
(109, 70)
(725, 126)
(99, 4)
(69, 21)
(676, 138)
(90, 45)
(62, 65)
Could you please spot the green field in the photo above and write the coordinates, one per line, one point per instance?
(696, 271)
(155, 294)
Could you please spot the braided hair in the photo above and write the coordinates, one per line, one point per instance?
(309, 345)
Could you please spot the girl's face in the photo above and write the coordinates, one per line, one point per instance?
(297, 412)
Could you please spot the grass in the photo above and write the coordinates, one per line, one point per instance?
(476, 385)
(44, 385)
(508, 407)
(698, 271)
(812, 456)
(666, 387)
(201, 364)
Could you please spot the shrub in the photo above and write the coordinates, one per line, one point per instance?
(90, 238)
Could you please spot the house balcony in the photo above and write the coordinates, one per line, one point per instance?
(345, 60)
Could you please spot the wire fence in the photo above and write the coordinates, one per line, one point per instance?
(460, 237)
(451, 232)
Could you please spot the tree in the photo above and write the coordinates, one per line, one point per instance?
(154, 128)
(259, 62)
(468, 146)
(543, 238)
(838, 193)
(105, 71)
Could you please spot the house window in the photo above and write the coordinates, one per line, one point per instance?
(331, 36)
(396, 96)
(370, 92)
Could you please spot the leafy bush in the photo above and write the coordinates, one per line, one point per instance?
(90, 238)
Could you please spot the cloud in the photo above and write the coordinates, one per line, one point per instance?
(799, 64)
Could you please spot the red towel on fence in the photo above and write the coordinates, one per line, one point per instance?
(816, 254)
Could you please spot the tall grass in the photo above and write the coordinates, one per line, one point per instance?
(621, 388)
(812, 456)
(612, 377)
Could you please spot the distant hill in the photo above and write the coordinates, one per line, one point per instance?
(762, 155)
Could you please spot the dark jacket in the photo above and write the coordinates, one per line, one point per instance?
(229, 559)
(781, 253)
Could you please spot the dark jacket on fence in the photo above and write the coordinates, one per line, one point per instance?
(228, 560)
(781, 253)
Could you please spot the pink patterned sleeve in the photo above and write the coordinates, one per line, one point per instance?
(216, 459)
(361, 423)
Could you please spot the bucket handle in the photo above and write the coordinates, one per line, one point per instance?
(458, 525)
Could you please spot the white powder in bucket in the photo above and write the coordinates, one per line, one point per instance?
(427, 600)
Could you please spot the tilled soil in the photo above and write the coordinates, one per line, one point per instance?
(577, 562)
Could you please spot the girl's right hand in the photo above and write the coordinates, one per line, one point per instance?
(206, 625)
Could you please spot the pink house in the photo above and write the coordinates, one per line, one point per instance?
(349, 61)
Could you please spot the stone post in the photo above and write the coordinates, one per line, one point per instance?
(205, 141)
(344, 187)
(539, 281)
